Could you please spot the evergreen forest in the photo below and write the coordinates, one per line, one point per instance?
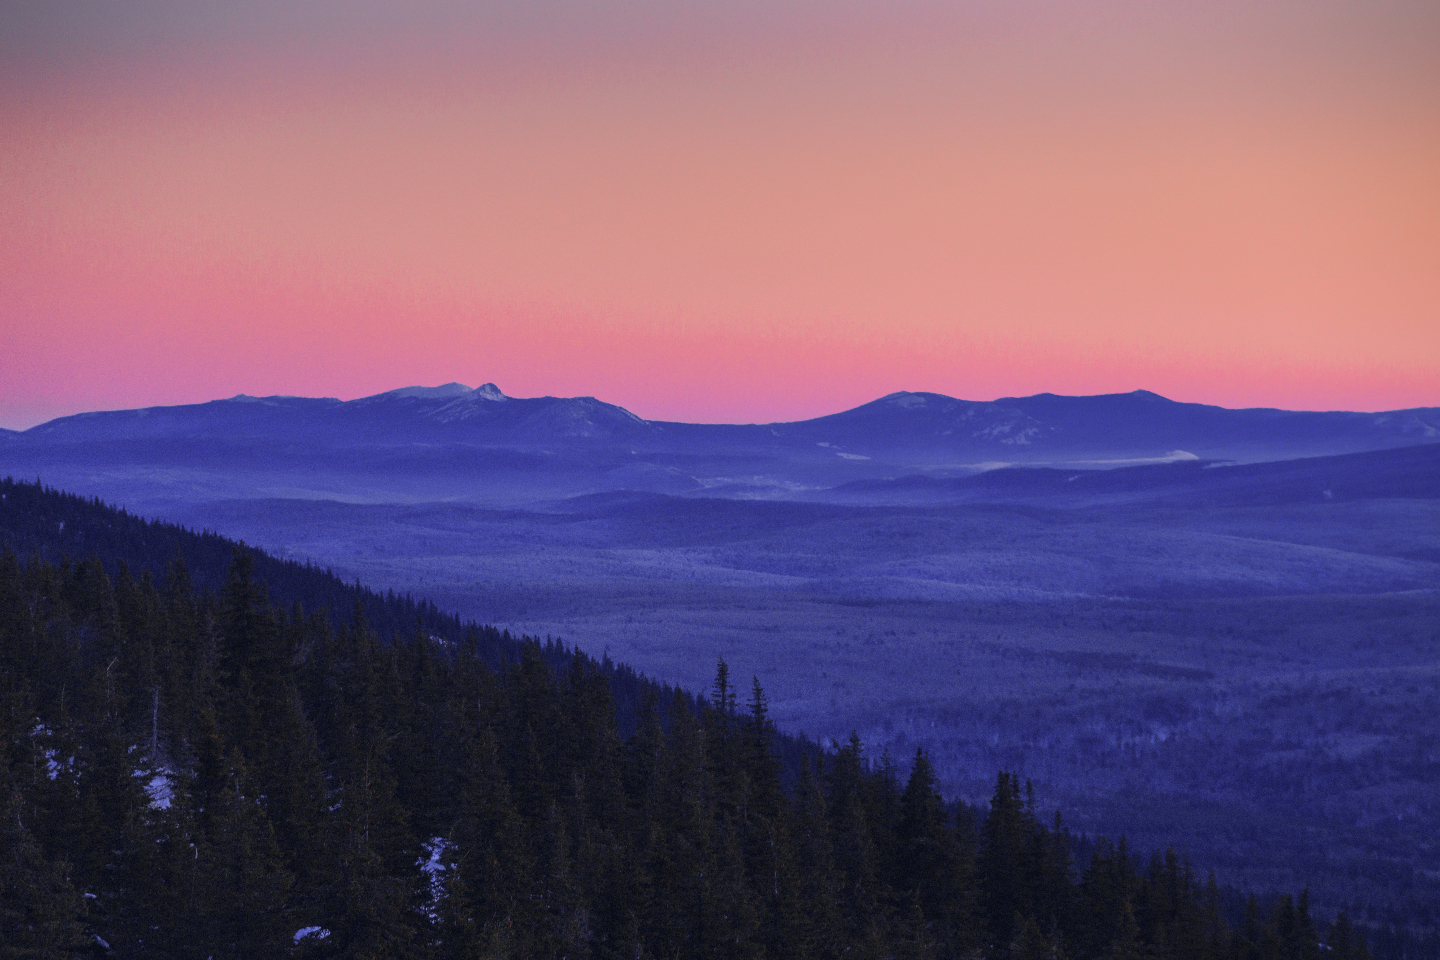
(209, 753)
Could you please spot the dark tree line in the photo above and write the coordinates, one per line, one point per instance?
(190, 773)
(36, 520)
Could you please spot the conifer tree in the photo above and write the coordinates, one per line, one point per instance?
(816, 927)
(1004, 861)
(926, 868)
(242, 878)
(853, 849)
(42, 916)
(488, 860)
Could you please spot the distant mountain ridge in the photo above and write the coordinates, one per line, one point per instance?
(1141, 424)
(455, 441)
(1071, 424)
(429, 409)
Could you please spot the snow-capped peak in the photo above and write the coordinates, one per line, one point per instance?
(489, 391)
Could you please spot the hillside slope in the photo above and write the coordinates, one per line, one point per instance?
(205, 774)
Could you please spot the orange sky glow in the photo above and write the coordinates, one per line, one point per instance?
(756, 217)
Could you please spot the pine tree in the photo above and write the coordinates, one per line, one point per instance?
(489, 869)
(1106, 895)
(679, 847)
(1344, 941)
(380, 888)
(768, 859)
(1005, 861)
(42, 916)
(761, 766)
(722, 749)
(816, 929)
(242, 881)
(927, 864)
(853, 849)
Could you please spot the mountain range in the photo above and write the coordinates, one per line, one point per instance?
(454, 441)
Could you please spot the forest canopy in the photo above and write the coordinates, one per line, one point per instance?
(235, 770)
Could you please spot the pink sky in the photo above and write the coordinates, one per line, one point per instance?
(749, 214)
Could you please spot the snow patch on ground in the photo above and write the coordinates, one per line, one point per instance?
(304, 933)
(435, 847)
(433, 866)
(160, 788)
(52, 765)
(851, 456)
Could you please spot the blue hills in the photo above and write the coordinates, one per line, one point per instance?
(453, 441)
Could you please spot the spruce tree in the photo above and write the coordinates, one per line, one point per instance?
(42, 916)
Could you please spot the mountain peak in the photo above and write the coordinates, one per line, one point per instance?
(489, 392)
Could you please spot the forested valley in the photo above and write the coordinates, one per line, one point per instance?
(235, 757)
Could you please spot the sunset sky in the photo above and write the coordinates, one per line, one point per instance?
(731, 211)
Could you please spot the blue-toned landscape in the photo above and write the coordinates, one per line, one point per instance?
(688, 480)
(1198, 628)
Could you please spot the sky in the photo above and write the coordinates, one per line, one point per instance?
(736, 211)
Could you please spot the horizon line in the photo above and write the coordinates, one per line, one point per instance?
(365, 396)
